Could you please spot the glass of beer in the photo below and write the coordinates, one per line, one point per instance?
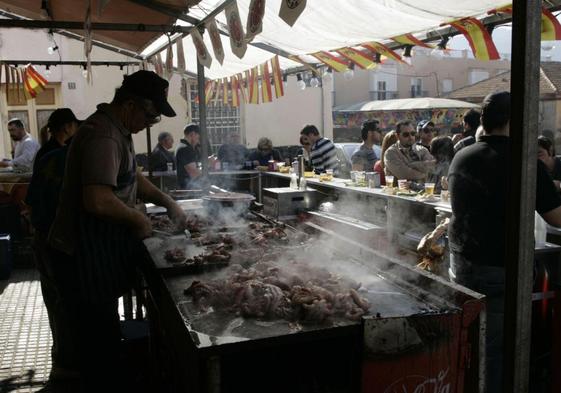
(389, 181)
(429, 188)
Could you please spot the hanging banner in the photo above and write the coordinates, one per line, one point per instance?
(237, 41)
(180, 56)
(158, 65)
(21, 89)
(33, 81)
(357, 57)
(242, 84)
(225, 89)
(214, 35)
(235, 91)
(551, 28)
(266, 93)
(254, 19)
(409, 39)
(168, 70)
(209, 91)
(479, 39)
(253, 86)
(383, 50)
(290, 10)
(202, 52)
(8, 73)
(277, 77)
(334, 62)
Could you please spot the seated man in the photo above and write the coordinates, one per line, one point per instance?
(425, 131)
(365, 157)
(233, 152)
(406, 159)
(25, 147)
(323, 153)
(264, 153)
(161, 155)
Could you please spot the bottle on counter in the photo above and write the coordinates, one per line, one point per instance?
(294, 181)
(295, 167)
(303, 183)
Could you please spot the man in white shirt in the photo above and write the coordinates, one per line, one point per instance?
(25, 146)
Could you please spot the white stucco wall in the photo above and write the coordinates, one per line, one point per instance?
(282, 119)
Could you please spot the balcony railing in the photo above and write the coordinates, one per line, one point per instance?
(380, 95)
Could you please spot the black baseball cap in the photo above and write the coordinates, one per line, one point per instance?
(147, 84)
(60, 117)
(424, 124)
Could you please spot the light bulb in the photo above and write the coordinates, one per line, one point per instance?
(349, 74)
(50, 50)
(47, 72)
(327, 76)
(85, 73)
(314, 82)
(301, 84)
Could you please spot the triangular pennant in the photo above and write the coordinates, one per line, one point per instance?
(357, 57)
(214, 35)
(409, 39)
(383, 50)
(235, 91)
(242, 84)
(277, 77)
(168, 71)
(180, 55)
(158, 65)
(291, 9)
(202, 52)
(225, 89)
(237, 41)
(478, 38)
(334, 62)
(266, 93)
(254, 19)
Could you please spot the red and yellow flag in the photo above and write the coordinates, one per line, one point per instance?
(235, 91)
(33, 81)
(225, 88)
(409, 39)
(478, 37)
(209, 91)
(253, 86)
(334, 62)
(242, 86)
(357, 57)
(266, 93)
(551, 28)
(277, 77)
(382, 50)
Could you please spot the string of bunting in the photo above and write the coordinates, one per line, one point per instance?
(25, 82)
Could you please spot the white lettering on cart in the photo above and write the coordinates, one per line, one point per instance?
(421, 384)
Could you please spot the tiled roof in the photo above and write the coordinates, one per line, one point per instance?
(550, 84)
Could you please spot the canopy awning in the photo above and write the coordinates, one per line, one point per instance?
(405, 104)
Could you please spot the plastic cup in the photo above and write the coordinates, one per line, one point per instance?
(402, 184)
(389, 181)
(429, 188)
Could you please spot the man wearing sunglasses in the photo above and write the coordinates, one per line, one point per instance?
(407, 159)
(425, 131)
(97, 230)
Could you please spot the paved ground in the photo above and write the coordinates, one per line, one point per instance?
(25, 337)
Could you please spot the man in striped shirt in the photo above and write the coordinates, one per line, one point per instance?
(323, 154)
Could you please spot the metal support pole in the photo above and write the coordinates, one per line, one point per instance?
(202, 116)
(526, 29)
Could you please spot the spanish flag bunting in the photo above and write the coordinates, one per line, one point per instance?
(357, 57)
(551, 29)
(409, 39)
(334, 62)
(277, 77)
(383, 50)
(242, 87)
(225, 88)
(478, 37)
(209, 91)
(253, 86)
(217, 92)
(33, 81)
(235, 91)
(26, 93)
(266, 93)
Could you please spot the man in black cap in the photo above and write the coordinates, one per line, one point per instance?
(97, 229)
(425, 130)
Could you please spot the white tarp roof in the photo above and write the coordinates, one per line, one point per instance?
(404, 104)
(331, 24)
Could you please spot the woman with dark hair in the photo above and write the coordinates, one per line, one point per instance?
(441, 148)
(389, 139)
(546, 154)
